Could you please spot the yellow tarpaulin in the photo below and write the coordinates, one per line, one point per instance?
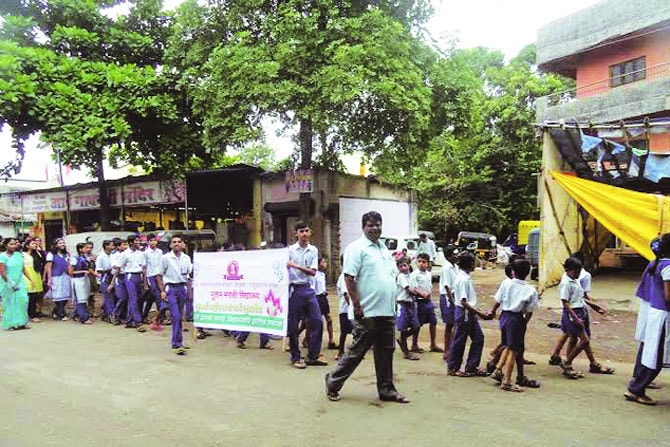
(634, 217)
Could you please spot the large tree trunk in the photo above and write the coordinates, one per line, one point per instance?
(306, 149)
(105, 212)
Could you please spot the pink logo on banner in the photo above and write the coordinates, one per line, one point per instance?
(274, 304)
(233, 271)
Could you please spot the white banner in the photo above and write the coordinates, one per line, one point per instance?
(241, 290)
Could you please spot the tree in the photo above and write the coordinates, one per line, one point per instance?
(93, 86)
(342, 74)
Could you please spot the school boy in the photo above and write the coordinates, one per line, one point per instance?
(575, 321)
(302, 266)
(132, 262)
(117, 283)
(103, 267)
(422, 283)
(345, 324)
(172, 278)
(322, 298)
(408, 320)
(447, 278)
(152, 260)
(518, 300)
(466, 324)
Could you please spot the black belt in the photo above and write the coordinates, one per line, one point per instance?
(175, 284)
(300, 285)
(79, 275)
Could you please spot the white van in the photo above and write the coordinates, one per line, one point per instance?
(396, 244)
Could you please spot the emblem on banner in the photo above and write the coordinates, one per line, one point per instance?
(233, 271)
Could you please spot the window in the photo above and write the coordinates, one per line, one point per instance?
(627, 72)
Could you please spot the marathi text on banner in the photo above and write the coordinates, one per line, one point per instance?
(241, 291)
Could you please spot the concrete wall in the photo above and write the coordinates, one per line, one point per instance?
(591, 26)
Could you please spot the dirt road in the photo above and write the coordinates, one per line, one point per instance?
(64, 384)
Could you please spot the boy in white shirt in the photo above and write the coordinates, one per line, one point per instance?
(322, 298)
(518, 301)
(447, 278)
(407, 322)
(421, 281)
(466, 323)
(345, 324)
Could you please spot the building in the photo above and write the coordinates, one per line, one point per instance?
(614, 127)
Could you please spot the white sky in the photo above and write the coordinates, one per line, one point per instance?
(504, 25)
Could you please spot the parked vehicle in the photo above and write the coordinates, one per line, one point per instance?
(483, 245)
(97, 237)
(396, 244)
(516, 242)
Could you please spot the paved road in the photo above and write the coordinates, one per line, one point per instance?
(64, 384)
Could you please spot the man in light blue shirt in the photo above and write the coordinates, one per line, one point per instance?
(369, 272)
(427, 246)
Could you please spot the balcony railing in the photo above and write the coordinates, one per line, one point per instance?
(652, 73)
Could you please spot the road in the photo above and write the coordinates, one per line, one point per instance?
(64, 384)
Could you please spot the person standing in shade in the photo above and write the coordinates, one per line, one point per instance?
(13, 287)
(58, 281)
(302, 265)
(172, 279)
(369, 272)
(132, 263)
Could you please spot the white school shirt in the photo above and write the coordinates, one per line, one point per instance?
(464, 289)
(571, 291)
(402, 283)
(341, 291)
(152, 259)
(175, 269)
(103, 262)
(422, 281)
(320, 283)
(305, 257)
(115, 259)
(447, 277)
(131, 261)
(428, 248)
(516, 295)
(585, 281)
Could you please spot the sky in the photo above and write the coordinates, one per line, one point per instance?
(504, 25)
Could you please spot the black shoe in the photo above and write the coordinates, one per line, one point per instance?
(316, 362)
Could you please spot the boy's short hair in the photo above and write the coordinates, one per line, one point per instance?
(300, 226)
(118, 241)
(106, 243)
(401, 261)
(521, 268)
(423, 256)
(131, 239)
(465, 260)
(370, 216)
(151, 236)
(450, 250)
(572, 264)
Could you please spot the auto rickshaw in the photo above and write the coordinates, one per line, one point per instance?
(483, 245)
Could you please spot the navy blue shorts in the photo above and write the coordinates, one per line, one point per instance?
(407, 317)
(426, 312)
(447, 310)
(324, 305)
(570, 327)
(512, 330)
(345, 324)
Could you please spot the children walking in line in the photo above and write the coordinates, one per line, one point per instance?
(408, 320)
(466, 323)
(421, 281)
(518, 300)
(575, 321)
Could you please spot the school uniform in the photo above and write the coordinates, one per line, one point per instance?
(152, 259)
(132, 262)
(81, 287)
(516, 298)
(61, 287)
(408, 317)
(121, 307)
(656, 350)
(343, 309)
(103, 266)
(447, 278)
(466, 325)
(647, 287)
(302, 301)
(424, 306)
(570, 290)
(321, 292)
(174, 271)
